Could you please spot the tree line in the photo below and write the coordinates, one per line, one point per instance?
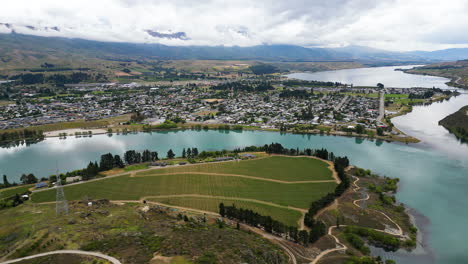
(25, 179)
(261, 69)
(258, 86)
(25, 134)
(58, 79)
(273, 226)
(296, 82)
(340, 164)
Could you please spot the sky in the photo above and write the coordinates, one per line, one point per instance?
(399, 25)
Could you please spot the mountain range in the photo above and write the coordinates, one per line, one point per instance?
(19, 47)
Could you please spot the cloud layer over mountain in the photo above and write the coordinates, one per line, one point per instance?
(386, 24)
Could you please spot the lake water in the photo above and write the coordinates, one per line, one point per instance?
(371, 76)
(434, 173)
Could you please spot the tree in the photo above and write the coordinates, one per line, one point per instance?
(380, 86)
(53, 178)
(184, 153)
(17, 200)
(90, 172)
(137, 117)
(107, 162)
(222, 210)
(28, 179)
(146, 156)
(360, 129)
(317, 231)
(380, 131)
(303, 237)
(138, 157)
(170, 154)
(5, 181)
(189, 153)
(129, 156)
(194, 152)
(118, 163)
(154, 156)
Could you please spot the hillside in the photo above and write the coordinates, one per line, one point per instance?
(457, 123)
(457, 71)
(444, 55)
(132, 233)
(18, 49)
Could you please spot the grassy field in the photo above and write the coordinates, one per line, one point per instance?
(75, 124)
(3, 103)
(264, 190)
(8, 192)
(286, 216)
(274, 167)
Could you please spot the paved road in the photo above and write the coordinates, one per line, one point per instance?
(338, 107)
(76, 252)
(381, 106)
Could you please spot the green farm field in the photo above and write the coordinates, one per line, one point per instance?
(284, 215)
(274, 167)
(282, 186)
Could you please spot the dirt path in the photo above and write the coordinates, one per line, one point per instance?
(400, 230)
(77, 252)
(300, 221)
(226, 198)
(271, 238)
(341, 246)
(232, 175)
(276, 240)
(332, 206)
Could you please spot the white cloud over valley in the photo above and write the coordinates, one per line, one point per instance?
(385, 24)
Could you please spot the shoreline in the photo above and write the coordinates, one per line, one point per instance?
(454, 80)
(54, 134)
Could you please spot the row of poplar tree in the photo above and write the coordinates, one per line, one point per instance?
(273, 226)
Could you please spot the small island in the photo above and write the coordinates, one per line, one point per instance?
(457, 123)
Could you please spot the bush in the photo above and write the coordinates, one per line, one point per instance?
(357, 243)
(207, 258)
(378, 239)
(166, 125)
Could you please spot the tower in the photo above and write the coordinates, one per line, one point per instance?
(61, 203)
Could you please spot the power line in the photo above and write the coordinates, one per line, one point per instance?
(61, 202)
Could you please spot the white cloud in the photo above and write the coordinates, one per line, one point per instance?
(387, 24)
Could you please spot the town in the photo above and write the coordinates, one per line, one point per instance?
(265, 103)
